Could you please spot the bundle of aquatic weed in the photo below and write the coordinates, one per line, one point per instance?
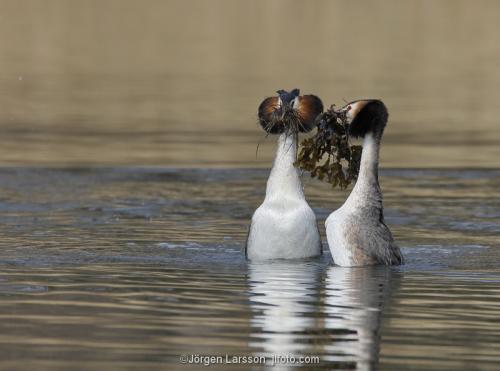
(328, 155)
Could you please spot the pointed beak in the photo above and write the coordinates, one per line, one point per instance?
(285, 106)
(282, 107)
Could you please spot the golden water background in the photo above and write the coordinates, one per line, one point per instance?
(177, 83)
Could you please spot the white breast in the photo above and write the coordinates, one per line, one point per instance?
(283, 229)
(284, 226)
(337, 242)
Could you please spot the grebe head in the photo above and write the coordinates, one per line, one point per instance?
(366, 116)
(289, 112)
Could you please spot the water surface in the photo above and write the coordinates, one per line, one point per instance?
(132, 268)
(114, 256)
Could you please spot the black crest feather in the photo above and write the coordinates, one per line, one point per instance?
(371, 119)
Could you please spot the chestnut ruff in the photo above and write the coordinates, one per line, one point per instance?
(276, 118)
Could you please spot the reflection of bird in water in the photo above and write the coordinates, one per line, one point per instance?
(354, 301)
(357, 234)
(284, 299)
(284, 226)
(296, 312)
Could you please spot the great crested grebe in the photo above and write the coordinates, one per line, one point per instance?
(284, 226)
(356, 232)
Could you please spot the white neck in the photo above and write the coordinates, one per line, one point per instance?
(367, 188)
(284, 179)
